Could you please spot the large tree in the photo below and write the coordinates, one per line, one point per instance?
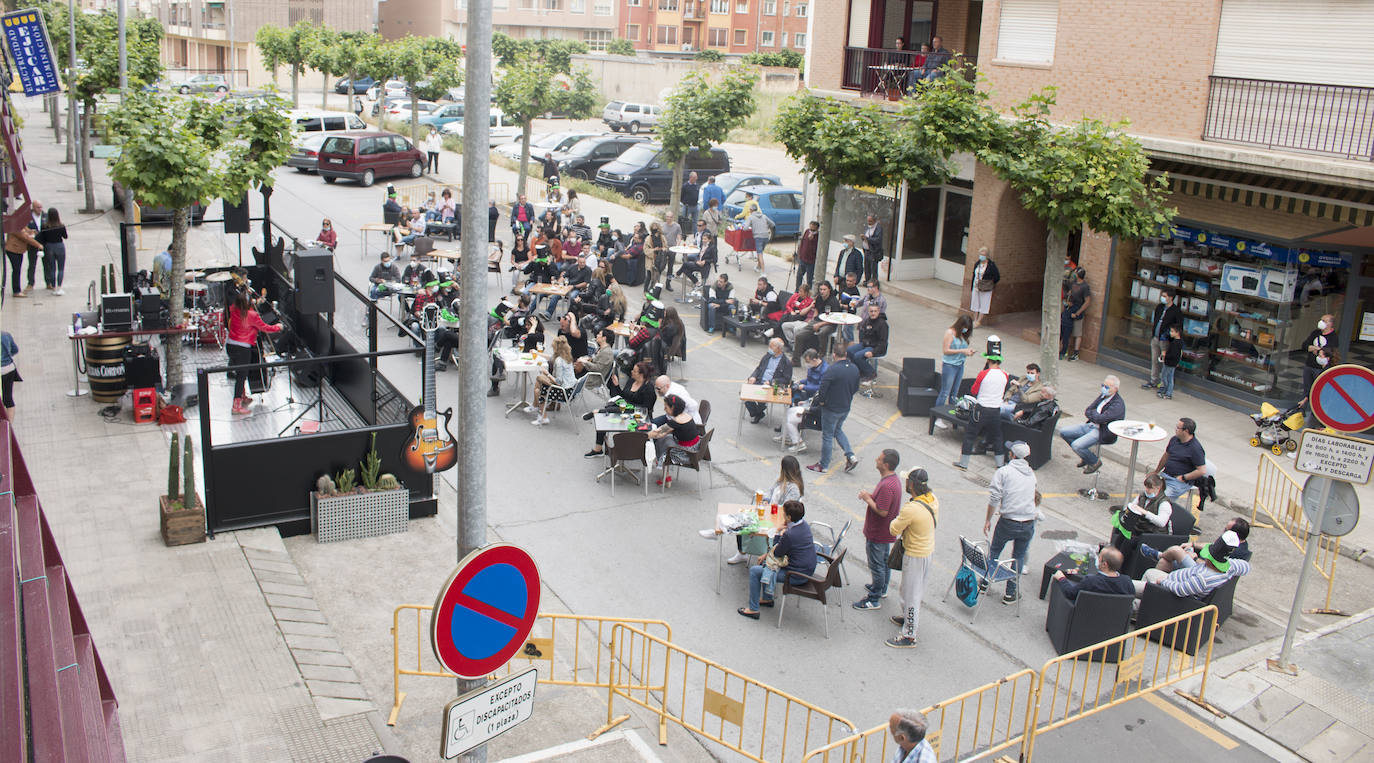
(322, 54)
(290, 47)
(699, 114)
(179, 151)
(421, 58)
(1088, 174)
(530, 88)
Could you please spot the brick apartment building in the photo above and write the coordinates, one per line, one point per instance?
(211, 36)
(1269, 156)
(729, 26)
(591, 21)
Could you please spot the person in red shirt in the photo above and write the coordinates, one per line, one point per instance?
(244, 325)
(883, 504)
(327, 236)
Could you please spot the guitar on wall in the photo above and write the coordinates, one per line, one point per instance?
(430, 448)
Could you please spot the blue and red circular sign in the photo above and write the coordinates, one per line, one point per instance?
(1343, 398)
(485, 610)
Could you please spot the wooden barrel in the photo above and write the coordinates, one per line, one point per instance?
(105, 368)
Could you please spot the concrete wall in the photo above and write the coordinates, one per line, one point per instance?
(647, 79)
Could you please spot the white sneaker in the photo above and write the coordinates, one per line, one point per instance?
(540, 421)
(798, 447)
(941, 424)
(58, 291)
(777, 437)
(738, 558)
(707, 534)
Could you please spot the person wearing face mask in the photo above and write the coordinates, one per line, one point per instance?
(985, 278)
(327, 237)
(1106, 408)
(1150, 512)
(1324, 337)
(1166, 316)
(1024, 392)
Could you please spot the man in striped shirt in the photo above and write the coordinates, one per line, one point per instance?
(1182, 574)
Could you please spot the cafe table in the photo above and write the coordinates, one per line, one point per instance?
(770, 525)
(763, 393)
(610, 424)
(839, 320)
(1137, 432)
(522, 363)
(366, 228)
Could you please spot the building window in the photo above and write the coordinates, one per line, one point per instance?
(632, 3)
(765, 38)
(602, 8)
(577, 6)
(770, 7)
(720, 6)
(632, 32)
(799, 40)
(596, 39)
(667, 35)
(1026, 31)
(741, 37)
(742, 6)
(717, 38)
(667, 5)
(782, 39)
(801, 10)
(553, 5)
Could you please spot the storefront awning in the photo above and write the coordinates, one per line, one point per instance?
(1335, 204)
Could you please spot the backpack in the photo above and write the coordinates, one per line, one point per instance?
(966, 587)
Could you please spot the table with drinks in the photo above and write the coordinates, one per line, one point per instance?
(755, 519)
(627, 419)
(522, 363)
(1137, 432)
(769, 395)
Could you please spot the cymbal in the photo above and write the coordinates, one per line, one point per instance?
(217, 264)
(222, 275)
(195, 275)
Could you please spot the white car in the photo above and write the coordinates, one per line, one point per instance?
(501, 132)
(401, 109)
(542, 144)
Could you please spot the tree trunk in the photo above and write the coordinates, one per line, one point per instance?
(324, 91)
(71, 127)
(675, 193)
(414, 117)
(51, 102)
(181, 221)
(1056, 247)
(82, 129)
(823, 235)
(524, 157)
(295, 87)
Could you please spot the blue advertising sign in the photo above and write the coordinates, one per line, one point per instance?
(31, 51)
(1259, 249)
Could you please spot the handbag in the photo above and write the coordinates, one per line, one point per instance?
(772, 562)
(898, 551)
(983, 284)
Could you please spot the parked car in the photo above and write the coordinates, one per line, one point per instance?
(543, 144)
(358, 86)
(204, 83)
(388, 103)
(152, 214)
(446, 113)
(631, 117)
(782, 205)
(501, 131)
(402, 109)
(585, 157)
(732, 180)
(643, 174)
(309, 122)
(366, 156)
(306, 156)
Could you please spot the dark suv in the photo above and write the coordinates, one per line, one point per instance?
(643, 174)
(586, 156)
(366, 156)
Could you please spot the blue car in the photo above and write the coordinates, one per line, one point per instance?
(782, 205)
(729, 181)
(449, 112)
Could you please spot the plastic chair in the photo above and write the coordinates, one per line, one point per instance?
(869, 389)
(695, 459)
(628, 447)
(595, 383)
(421, 246)
(564, 395)
(977, 558)
(1091, 618)
(814, 588)
(704, 410)
(835, 539)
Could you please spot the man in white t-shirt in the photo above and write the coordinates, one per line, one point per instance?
(986, 422)
(666, 386)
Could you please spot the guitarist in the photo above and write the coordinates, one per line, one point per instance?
(244, 325)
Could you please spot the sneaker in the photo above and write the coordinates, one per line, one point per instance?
(1167, 397)
(1072, 357)
(738, 558)
(816, 468)
(589, 415)
(901, 642)
(800, 447)
(707, 534)
(941, 424)
(21, 294)
(540, 421)
(867, 604)
(1149, 552)
(1010, 598)
(961, 467)
(850, 464)
(777, 438)
(898, 620)
(768, 333)
(58, 291)
(1149, 385)
(1093, 467)
(238, 407)
(869, 587)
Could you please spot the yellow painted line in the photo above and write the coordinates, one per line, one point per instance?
(707, 343)
(1194, 723)
(863, 444)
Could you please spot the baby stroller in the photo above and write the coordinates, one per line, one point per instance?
(1276, 428)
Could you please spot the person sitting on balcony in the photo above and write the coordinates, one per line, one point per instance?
(934, 65)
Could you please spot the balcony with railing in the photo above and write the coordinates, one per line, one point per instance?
(872, 70)
(1334, 120)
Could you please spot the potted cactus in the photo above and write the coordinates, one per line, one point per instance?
(359, 503)
(181, 514)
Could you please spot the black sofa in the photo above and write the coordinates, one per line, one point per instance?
(1089, 619)
(1041, 440)
(1158, 604)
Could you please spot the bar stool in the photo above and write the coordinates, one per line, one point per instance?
(1094, 493)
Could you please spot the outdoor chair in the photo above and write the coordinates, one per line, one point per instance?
(918, 385)
(833, 547)
(629, 448)
(1089, 619)
(977, 558)
(704, 411)
(564, 395)
(815, 587)
(1158, 604)
(1136, 565)
(695, 461)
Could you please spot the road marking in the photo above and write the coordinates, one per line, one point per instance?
(862, 444)
(706, 344)
(1196, 724)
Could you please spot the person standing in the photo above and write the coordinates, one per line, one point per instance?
(690, 197)
(955, 351)
(244, 325)
(1166, 316)
(761, 226)
(1323, 337)
(882, 507)
(986, 424)
(834, 398)
(985, 278)
(1012, 496)
(1170, 357)
(1080, 297)
(358, 106)
(35, 248)
(493, 216)
(16, 244)
(850, 260)
(914, 528)
(712, 192)
(54, 251)
(806, 255)
(873, 248)
(9, 372)
(433, 145)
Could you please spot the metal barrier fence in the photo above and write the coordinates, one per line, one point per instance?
(713, 701)
(1281, 498)
(1012, 711)
(573, 656)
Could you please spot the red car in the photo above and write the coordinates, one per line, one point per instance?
(366, 156)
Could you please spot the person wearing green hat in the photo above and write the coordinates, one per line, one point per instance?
(986, 423)
(1183, 574)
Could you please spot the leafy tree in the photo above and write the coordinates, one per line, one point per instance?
(272, 46)
(290, 47)
(531, 88)
(788, 58)
(622, 47)
(349, 53)
(377, 58)
(554, 52)
(709, 55)
(1089, 174)
(699, 114)
(322, 55)
(418, 58)
(179, 151)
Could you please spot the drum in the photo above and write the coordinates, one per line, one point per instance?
(196, 296)
(105, 367)
(218, 288)
(210, 328)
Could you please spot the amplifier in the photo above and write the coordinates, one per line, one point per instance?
(142, 369)
(117, 312)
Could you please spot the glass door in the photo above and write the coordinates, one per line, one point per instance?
(952, 235)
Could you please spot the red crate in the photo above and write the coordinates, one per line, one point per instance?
(145, 405)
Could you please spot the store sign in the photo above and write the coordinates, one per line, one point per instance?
(31, 51)
(1259, 249)
(1367, 327)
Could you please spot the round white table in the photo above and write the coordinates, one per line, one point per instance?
(1137, 432)
(838, 320)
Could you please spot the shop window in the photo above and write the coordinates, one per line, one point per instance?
(954, 233)
(922, 213)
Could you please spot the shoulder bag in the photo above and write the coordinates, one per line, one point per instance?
(894, 557)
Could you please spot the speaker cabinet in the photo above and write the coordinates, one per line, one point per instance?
(315, 281)
(236, 216)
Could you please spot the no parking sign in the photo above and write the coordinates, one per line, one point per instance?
(485, 610)
(1343, 398)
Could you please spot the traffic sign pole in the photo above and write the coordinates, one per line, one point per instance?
(1313, 541)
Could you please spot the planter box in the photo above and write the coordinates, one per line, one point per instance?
(359, 515)
(181, 526)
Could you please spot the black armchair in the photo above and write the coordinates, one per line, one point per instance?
(1137, 564)
(1158, 604)
(918, 385)
(1089, 619)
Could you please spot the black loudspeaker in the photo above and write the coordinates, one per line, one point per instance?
(236, 216)
(142, 369)
(315, 281)
(117, 312)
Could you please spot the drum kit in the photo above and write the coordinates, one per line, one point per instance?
(207, 300)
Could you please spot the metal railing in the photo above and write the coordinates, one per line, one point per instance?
(573, 648)
(858, 74)
(1336, 120)
(1281, 498)
(746, 716)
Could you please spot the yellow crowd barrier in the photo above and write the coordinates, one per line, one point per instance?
(573, 649)
(746, 716)
(414, 194)
(1280, 496)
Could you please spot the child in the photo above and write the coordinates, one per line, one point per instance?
(1173, 351)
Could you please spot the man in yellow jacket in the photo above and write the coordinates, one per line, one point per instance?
(915, 530)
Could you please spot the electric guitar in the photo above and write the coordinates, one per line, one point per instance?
(429, 448)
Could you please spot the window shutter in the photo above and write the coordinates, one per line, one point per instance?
(1326, 42)
(1027, 30)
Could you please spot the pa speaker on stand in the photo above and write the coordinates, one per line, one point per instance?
(314, 274)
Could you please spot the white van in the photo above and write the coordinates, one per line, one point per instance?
(501, 130)
(305, 123)
(631, 117)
